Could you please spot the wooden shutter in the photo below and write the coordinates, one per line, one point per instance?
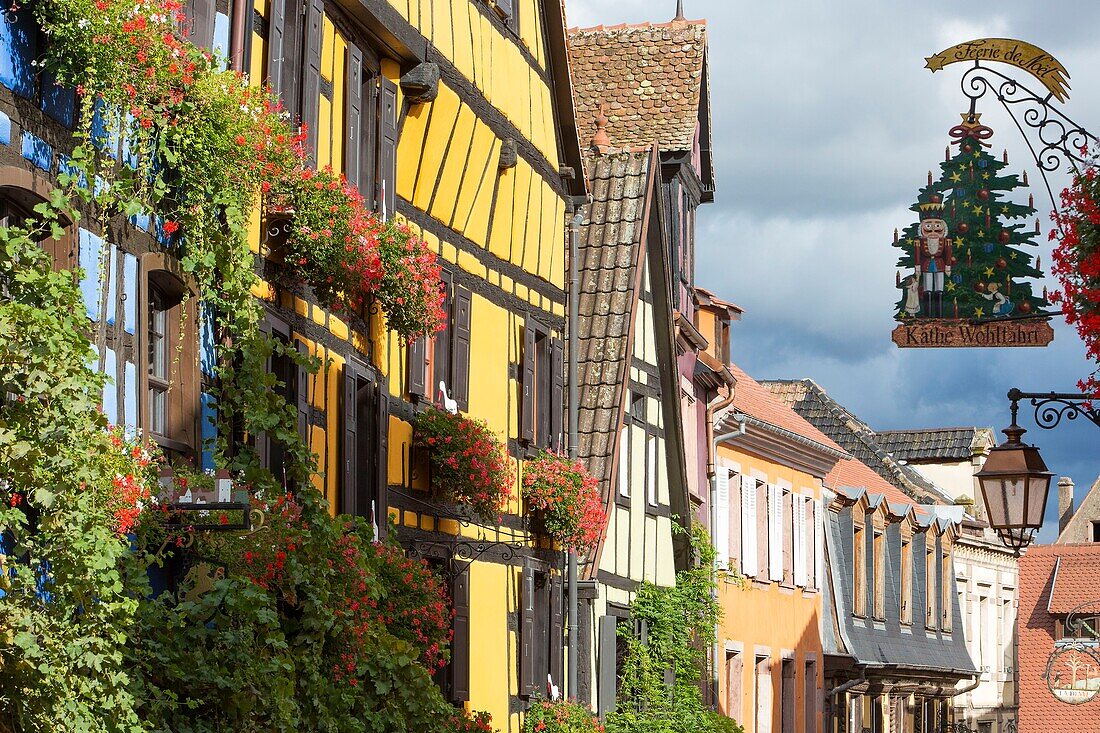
(276, 46)
(460, 646)
(381, 464)
(722, 517)
(460, 360)
(349, 499)
(557, 633)
(353, 114)
(607, 679)
(311, 84)
(748, 527)
(302, 394)
(819, 544)
(557, 394)
(528, 685)
(775, 532)
(387, 148)
(418, 368)
(798, 536)
(200, 22)
(527, 406)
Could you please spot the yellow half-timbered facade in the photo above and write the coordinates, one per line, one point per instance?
(455, 117)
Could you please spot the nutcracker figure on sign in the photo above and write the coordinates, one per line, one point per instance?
(932, 257)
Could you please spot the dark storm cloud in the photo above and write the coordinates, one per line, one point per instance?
(825, 123)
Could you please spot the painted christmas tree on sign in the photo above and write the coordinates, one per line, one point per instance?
(963, 261)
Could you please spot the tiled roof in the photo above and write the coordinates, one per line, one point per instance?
(1075, 582)
(1039, 709)
(648, 79)
(853, 473)
(607, 259)
(752, 399)
(809, 400)
(945, 444)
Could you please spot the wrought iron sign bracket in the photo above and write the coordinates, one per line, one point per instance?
(1051, 407)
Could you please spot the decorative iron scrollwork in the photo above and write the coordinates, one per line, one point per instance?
(1057, 141)
(1052, 407)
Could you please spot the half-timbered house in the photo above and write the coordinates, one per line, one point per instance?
(455, 116)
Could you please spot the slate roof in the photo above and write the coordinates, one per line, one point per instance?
(1035, 626)
(754, 400)
(607, 258)
(647, 77)
(809, 400)
(935, 444)
(933, 654)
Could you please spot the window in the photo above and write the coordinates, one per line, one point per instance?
(651, 469)
(543, 385)
(763, 695)
(775, 532)
(906, 580)
(749, 540)
(454, 678)
(541, 630)
(637, 408)
(734, 684)
(787, 697)
(331, 77)
(946, 584)
(22, 44)
(291, 384)
(789, 530)
(930, 586)
(439, 367)
(624, 467)
(801, 541)
(365, 446)
(762, 512)
(809, 699)
(859, 570)
(158, 361)
(879, 573)
(1096, 531)
(1087, 627)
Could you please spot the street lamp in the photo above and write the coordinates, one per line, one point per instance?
(1015, 483)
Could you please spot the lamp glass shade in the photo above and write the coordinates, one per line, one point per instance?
(1015, 482)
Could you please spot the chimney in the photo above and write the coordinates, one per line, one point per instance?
(1065, 502)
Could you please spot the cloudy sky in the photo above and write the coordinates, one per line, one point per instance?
(825, 125)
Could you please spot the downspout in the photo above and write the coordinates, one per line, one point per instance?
(712, 476)
(574, 300)
(241, 8)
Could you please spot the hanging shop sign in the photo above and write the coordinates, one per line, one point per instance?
(1073, 674)
(964, 264)
(1032, 59)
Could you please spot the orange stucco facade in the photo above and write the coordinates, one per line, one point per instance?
(770, 630)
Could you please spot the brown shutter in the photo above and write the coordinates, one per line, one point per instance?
(349, 495)
(200, 22)
(557, 633)
(527, 407)
(528, 685)
(607, 677)
(276, 45)
(387, 148)
(442, 355)
(382, 444)
(460, 361)
(353, 117)
(418, 372)
(460, 647)
(311, 85)
(302, 394)
(557, 394)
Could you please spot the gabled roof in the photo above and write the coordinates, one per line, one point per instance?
(809, 400)
(649, 80)
(935, 444)
(755, 401)
(1075, 583)
(608, 256)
